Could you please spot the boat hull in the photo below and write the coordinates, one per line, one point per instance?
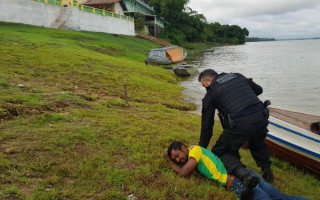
(296, 159)
(165, 55)
(182, 71)
(297, 146)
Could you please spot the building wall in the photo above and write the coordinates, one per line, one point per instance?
(51, 16)
(118, 9)
(115, 8)
(82, 1)
(99, 23)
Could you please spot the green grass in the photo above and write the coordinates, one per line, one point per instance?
(66, 131)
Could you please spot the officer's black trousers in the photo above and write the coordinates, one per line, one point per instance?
(253, 130)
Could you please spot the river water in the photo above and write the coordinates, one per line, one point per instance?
(288, 71)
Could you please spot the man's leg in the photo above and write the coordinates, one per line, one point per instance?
(258, 193)
(271, 191)
(249, 181)
(259, 151)
(227, 149)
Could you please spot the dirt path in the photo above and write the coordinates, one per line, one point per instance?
(157, 40)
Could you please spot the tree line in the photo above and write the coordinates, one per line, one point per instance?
(182, 24)
(256, 39)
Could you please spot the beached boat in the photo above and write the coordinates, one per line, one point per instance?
(288, 139)
(185, 69)
(166, 55)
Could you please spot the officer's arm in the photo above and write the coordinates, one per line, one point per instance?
(255, 87)
(207, 119)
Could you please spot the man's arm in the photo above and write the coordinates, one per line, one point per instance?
(186, 169)
(255, 87)
(207, 119)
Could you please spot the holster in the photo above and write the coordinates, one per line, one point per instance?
(221, 120)
(229, 122)
(266, 103)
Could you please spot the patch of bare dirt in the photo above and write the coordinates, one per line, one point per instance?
(27, 190)
(84, 94)
(83, 149)
(85, 39)
(106, 50)
(157, 40)
(7, 151)
(10, 111)
(123, 161)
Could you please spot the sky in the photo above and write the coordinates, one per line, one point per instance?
(280, 19)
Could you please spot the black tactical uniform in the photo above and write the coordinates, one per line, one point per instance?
(243, 116)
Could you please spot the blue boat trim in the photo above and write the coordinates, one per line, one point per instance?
(294, 146)
(295, 132)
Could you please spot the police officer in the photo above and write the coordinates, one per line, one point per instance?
(244, 118)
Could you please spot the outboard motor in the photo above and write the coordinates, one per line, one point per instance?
(315, 127)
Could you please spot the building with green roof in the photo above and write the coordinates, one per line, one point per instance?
(153, 23)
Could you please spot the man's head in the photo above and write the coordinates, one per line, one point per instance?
(206, 77)
(178, 152)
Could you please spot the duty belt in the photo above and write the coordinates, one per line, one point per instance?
(255, 116)
(229, 181)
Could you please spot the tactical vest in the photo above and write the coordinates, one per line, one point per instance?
(233, 93)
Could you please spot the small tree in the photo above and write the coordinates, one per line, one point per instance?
(139, 21)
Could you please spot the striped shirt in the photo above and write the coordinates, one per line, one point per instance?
(209, 164)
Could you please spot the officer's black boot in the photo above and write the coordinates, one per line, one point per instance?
(249, 182)
(267, 174)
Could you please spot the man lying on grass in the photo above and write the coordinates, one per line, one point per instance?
(211, 167)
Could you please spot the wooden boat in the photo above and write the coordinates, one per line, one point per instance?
(166, 55)
(290, 140)
(208, 51)
(185, 69)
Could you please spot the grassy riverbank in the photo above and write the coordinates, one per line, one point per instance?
(67, 132)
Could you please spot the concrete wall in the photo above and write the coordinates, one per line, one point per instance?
(51, 16)
(117, 26)
(28, 12)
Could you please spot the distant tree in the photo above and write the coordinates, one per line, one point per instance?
(183, 24)
(256, 39)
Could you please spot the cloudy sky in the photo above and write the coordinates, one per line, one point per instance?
(280, 19)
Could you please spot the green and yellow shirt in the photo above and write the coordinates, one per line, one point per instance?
(209, 164)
